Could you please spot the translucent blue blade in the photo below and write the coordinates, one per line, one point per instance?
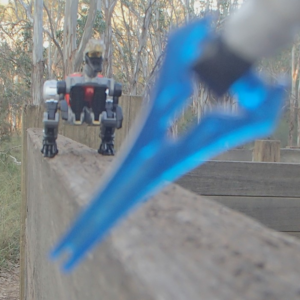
(152, 159)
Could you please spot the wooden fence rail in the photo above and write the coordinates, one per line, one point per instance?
(177, 246)
(268, 192)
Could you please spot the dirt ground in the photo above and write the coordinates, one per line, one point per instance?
(9, 284)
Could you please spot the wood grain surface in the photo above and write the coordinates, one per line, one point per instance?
(259, 179)
(177, 246)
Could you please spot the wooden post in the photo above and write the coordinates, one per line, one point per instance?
(266, 151)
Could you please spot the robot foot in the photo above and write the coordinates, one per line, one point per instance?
(49, 149)
(106, 149)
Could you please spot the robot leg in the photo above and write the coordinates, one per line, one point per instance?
(107, 129)
(50, 120)
(64, 108)
(119, 116)
(107, 135)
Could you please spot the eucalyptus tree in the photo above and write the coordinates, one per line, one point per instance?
(15, 66)
(37, 54)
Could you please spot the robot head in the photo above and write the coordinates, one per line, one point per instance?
(92, 57)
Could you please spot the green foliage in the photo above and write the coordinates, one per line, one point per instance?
(15, 69)
(80, 24)
(186, 120)
(282, 131)
(278, 64)
(10, 199)
(99, 25)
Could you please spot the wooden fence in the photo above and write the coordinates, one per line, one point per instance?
(32, 117)
(268, 192)
(176, 246)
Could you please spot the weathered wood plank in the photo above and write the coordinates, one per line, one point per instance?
(293, 233)
(23, 205)
(281, 214)
(266, 151)
(286, 155)
(235, 155)
(244, 179)
(176, 246)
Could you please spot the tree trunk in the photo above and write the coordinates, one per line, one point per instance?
(99, 5)
(298, 100)
(108, 11)
(294, 75)
(142, 41)
(200, 104)
(38, 67)
(71, 8)
(87, 33)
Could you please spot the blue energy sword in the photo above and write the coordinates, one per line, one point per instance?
(151, 159)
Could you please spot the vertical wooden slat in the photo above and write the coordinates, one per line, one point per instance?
(266, 151)
(23, 205)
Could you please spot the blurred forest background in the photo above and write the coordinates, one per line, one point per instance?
(45, 39)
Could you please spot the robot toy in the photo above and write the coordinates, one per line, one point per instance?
(86, 97)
